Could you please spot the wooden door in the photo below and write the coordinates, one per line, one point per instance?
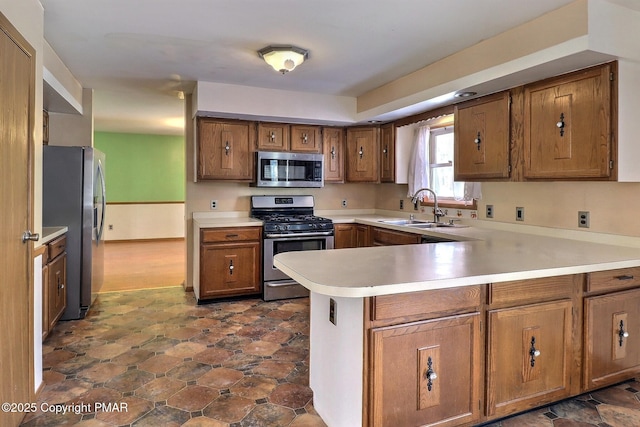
(567, 126)
(344, 236)
(225, 150)
(273, 136)
(481, 138)
(518, 377)
(388, 153)
(229, 269)
(612, 340)
(403, 391)
(16, 288)
(306, 139)
(333, 149)
(362, 154)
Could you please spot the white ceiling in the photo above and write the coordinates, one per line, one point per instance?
(138, 54)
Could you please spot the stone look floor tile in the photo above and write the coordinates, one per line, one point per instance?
(235, 363)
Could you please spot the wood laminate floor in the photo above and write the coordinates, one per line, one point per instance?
(144, 265)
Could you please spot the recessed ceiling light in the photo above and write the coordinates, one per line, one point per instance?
(465, 94)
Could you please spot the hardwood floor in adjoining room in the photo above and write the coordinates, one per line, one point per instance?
(144, 264)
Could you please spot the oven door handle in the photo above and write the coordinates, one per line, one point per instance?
(298, 236)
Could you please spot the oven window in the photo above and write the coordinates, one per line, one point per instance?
(290, 245)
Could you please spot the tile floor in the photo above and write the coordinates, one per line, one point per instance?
(169, 362)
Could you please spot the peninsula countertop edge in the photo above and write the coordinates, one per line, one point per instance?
(478, 256)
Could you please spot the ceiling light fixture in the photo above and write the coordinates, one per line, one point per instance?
(283, 58)
(465, 94)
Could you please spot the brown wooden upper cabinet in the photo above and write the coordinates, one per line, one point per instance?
(363, 151)
(305, 138)
(568, 127)
(481, 138)
(388, 152)
(225, 149)
(333, 148)
(273, 136)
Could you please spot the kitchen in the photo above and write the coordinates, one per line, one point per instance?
(607, 202)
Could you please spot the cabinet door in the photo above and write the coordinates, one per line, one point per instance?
(426, 373)
(386, 237)
(362, 154)
(273, 136)
(529, 356)
(481, 138)
(229, 269)
(57, 292)
(612, 338)
(388, 153)
(306, 139)
(567, 126)
(45, 301)
(333, 149)
(225, 150)
(344, 236)
(363, 236)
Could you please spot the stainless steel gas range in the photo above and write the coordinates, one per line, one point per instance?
(288, 225)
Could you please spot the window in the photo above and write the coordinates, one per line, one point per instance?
(441, 155)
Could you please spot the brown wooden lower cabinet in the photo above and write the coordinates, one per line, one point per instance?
(229, 262)
(54, 284)
(351, 236)
(612, 338)
(529, 352)
(427, 373)
(468, 355)
(386, 237)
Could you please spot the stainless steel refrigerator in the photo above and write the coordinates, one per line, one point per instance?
(73, 195)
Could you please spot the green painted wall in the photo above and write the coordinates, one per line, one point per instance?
(143, 168)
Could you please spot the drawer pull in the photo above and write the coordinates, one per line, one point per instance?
(231, 236)
(533, 352)
(622, 334)
(625, 277)
(430, 374)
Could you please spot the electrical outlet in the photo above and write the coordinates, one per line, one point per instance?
(489, 211)
(344, 203)
(519, 214)
(214, 204)
(583, 219)
(110, 226)
(401, 204)
(333, 313)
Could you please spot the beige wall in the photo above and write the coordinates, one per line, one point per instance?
(612, 205)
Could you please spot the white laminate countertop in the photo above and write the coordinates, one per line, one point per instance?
(481, 255)
(50, 233)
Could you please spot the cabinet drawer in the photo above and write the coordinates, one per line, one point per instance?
(423, 302)
(57, 246)
(613, 280)
(230, 234)
(532, 290)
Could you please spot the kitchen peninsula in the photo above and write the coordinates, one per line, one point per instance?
(459, 333)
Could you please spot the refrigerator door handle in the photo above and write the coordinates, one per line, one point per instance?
(103, 200)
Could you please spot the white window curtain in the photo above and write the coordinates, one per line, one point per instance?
(468, 191)
(419, 161)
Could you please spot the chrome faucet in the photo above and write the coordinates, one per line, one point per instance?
(437, 213)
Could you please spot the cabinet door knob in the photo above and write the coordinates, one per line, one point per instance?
(333, 152)
(560, 124)
(227, 148)
(305, 138)
(478, 141)
(231, 267)
(361, 152)
(622, 334)
(533, 352)
(430, 374)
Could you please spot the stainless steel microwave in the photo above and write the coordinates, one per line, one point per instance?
(278, 169)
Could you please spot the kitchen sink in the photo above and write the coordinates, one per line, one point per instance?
(411, 222)
(434, 225)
